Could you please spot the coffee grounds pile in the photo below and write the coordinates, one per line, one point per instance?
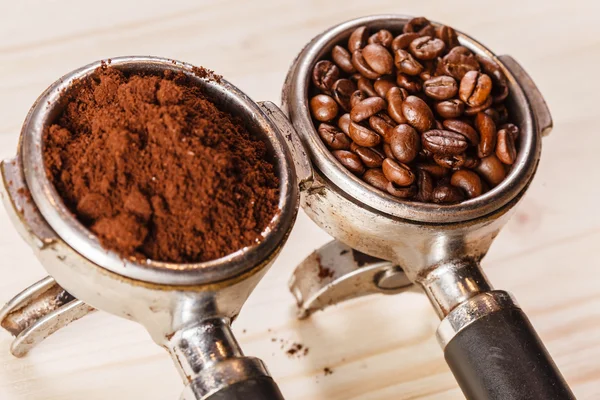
(157, 171)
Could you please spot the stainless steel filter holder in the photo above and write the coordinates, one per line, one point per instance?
(186, 308)
(488, 342)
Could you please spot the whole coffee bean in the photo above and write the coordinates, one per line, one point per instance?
(344, 123)
(404, 40)
(405, 63)
(382, 126)
(450, 108)
(475, 88)
(343, 59)
(493, 114)
(409, 83)
(356, 97)
(350, 160)
(376, 178)
(362, 67)
(366, 86)
(450, 162)
(342, 91)
(323, 108)
(363, 136)
(369, 156)
(429, 68)
(470, 111)
(418, 24)
(324, 75)
(487, 132)
(405, 143)
(398, 173)
(395, 97)
(425, 185)
(464, 129)
(471, 161)
(468, 181)
(417, 113)
(426, 48)
(358, 39)
(513, 129)
(447, 35)
(379, 58)
(367, 108)
(492, 170)
(441, 87)
(444, 143)
(500, 84)
(433, 169)
(456, 63)
(401, 191)
(387, 150)
(505, 148)
(382, 85)
(334, 138)
(382, 37)
(447, 194)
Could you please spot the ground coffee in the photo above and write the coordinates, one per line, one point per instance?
(157, 171)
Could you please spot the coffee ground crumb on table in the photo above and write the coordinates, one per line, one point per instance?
(153, 168)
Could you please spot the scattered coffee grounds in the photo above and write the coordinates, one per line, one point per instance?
(157, 171)
(415, 114)
(327, 371)
(323, 271)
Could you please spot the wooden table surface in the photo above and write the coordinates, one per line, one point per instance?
(378, 347)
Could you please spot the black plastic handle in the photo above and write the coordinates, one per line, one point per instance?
(263, 388)
(501, 357)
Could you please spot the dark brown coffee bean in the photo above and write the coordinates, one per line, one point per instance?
(362, 67)
(405, 143)
(342, 91)
(425, 185)
(401, 191)
(451, 162)
(376, 178)
(356, 97)
(429, 68)
(444, 143)
(409, 83)
(358, 39)
(344, 123)
(426, 48)
(405, 63)
(366, 86)
(397, 172)
(404, 40)
(367, 108)
(445, 193)
(441, 87)
(350, 160)
(502, 114)
(505, 148)
(334, 138)
(450, 108)
(324, 74)
(513, 129)
(343, 59)
(433, 169)
(475, 88)
(382, 85)
(464, 129)
(395, 97)
(369, 156)
(471, 161)
(456, 63)
(378, 58)
(487, 133)
(500, 84)
(447, 35)
(363, 136)
(323, 108)
(492, 170)
(493, 114)
(417, 113)
(471, 111)
(468, 181)
(382, 126)
(417, 24)
(387, 150)
(382, 37)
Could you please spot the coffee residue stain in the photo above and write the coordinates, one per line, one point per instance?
(363, 259)
(323, 272)
(327, 371)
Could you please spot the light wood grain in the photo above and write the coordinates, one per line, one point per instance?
(379, 347)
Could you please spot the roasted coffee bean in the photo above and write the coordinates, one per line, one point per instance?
(404, 40)
(468, 181)
(366, 85)
(505, 147)
(342, 91)
(395, 97)
(409, 83)
(447, 35)
(382, 37)
(382, 85)
(426, 48)
(344, 123)
(445, 193)
(493, 114)
(441, 87)
(450, 108)
(429, 68)
(451, 162)
(379, 58)
(369, 156)
(343, 59)
(401, 191)
(350, 160)
(323, 107)
(433, 169)
(456, 63)
(324, 75)
(513, 129)
(471, 111)
(406, 63)
(425, 185)
(500, 84)
(420, 25)
(492, 170)
(464, 129)
(405, 143)
(362, 67)
(387, 150)
(356, 97)
(471, 161)
(502, 114)
(475, 88)
(367, 108)
(333, 137)
(358, 39)
(397, 172)
(444, 143)
(376, 178)
(487, 133)
(382, 126)
(417, 113)
(363, 136)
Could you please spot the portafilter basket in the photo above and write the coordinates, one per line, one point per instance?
(488, 342)
(186, 308)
